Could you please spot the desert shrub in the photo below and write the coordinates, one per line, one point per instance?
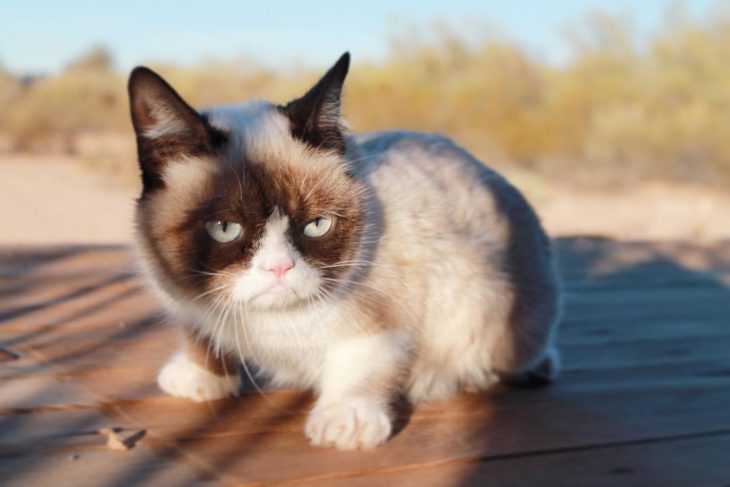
(619, 111)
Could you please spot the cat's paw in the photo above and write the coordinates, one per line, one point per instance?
(352, 425)
(183, 378)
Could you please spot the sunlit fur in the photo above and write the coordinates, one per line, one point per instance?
(440, 278)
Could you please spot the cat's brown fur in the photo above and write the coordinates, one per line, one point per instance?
(361, 267)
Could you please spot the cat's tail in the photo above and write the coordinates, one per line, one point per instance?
(545, 371)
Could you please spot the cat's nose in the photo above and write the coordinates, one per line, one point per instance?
(279, 267)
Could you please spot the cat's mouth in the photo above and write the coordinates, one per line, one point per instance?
(278, 291)
(279, 288)
(274, 292)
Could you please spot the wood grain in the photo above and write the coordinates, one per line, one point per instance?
(644, 399)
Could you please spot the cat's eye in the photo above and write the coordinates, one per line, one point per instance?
(318, 227)
(223, 231)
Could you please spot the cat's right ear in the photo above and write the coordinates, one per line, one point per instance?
(165, 125)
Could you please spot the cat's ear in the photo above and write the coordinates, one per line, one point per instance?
(165, 125)
(315, 117)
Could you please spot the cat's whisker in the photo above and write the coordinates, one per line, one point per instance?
(214, 312)
(223, 320)
(213, 272)
(315, 187)
(358, 264)
(199, 332)
(210, 291)
(328, 211)
(193, 274)
(240, 185)
(304, 179)
(362, 266)
(209, 344)
(243, 316)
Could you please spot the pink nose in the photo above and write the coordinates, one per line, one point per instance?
(280, 267)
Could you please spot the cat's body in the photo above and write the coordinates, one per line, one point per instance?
(432, 276)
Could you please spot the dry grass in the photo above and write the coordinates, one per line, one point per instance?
(617, 113)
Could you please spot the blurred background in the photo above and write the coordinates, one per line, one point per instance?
(613, 116)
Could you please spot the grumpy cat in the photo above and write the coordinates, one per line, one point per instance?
(362, 267)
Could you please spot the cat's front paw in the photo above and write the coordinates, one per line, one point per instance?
(356, 424)
(183, 378)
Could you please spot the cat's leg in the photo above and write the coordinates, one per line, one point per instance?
(195, 372)
(359, 380)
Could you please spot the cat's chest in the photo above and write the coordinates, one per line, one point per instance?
(290, 346)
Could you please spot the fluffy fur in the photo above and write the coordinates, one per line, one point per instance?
(435, 276)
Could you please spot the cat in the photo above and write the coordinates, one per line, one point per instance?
(363, 267)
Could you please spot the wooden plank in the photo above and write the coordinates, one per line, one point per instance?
(53, 261)
(43, 291)
(128, 348)
(646, 352)
(661, 307)
(82, 388)
(123, 363)
(249, 440)
(645, 345)
(79, 366)
(677, 462)
(77, 348)
(65, 429)
(104, 300)
(623, 333)
(246, 442)
(33, 392)
(711, 373)
(100, 466)
(107, 385)
(248, 413)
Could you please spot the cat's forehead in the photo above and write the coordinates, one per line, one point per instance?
(248, 120)
(263, 166)
(272, 164)
(259, 133)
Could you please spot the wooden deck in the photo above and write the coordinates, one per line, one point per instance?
(644, 399)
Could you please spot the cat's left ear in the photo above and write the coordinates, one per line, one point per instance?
(166, 126)
(315, 117)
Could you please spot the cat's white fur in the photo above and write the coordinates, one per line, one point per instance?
(258, 288)
(166, 122)
(442, 228)
(184, 378)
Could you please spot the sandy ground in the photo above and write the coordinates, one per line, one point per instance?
(56, 200)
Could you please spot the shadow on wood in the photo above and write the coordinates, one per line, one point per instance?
(644, 398)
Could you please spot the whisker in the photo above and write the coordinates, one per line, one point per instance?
(215, 289)
(242, 313)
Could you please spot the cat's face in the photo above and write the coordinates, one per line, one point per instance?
(249, 204)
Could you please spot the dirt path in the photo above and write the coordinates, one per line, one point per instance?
(56, 200)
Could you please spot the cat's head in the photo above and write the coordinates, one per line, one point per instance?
(252, 204)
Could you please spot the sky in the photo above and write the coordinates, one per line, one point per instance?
(42, 36)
